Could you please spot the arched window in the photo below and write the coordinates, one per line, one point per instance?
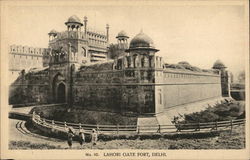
(150, 61)
(134, 61)
(142, 62)
(159, 98)
(84, 52)
(119, 64)
(128, 62)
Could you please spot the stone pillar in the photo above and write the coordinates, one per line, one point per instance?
(85, 25)
(107, 34)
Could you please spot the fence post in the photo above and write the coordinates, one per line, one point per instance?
(80, 125)
(178, 126)
(159, 128)
(216, 125)
(53, 126)
(138, 131)
(65, 125)
(97, 128)
(198, 126)
(53, 123)
(43, 120)
(231, 124)
(117, 127)
(33, 115)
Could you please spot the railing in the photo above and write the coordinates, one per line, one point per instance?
(137, 129)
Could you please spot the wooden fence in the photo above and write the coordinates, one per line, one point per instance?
(136, 129)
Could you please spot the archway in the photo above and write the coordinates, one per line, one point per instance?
(59, 89)
(61, 97)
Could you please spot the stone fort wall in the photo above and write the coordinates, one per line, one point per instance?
(175, 88)
(107, 89)
(103, 87)
(30, 88)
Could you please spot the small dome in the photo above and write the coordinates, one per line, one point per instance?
(219, 65)
(74, 19)
(141, 40)
(53, 31)
(122, 34)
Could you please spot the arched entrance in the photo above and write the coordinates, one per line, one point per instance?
(59, 89)
(61, 93)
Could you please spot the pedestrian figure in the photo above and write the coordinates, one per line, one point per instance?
(70, 137)
(81, 136)
(94, 137)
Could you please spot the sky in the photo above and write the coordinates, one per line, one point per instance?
(198, 34)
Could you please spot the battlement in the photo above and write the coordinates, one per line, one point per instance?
(19, 49)
(96, 35)
(97, 32)
(93, 38)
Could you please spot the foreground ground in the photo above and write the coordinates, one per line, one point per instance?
(225, 140)
(22, 138)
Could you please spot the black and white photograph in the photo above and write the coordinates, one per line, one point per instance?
(124, 79)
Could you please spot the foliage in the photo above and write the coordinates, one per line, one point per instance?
(186, 66)
(183, 63)
(237, 86)
(221, 112)
(114, 51)
(241, 77)
(79, 115)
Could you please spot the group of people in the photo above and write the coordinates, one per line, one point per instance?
(71, 134)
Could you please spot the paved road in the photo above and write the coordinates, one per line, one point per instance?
(18, 132)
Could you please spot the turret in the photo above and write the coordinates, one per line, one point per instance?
(52, 34)
(122, 40)
(225, 78)
(74, 23)
(142, 51)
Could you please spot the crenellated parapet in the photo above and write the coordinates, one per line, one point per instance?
(94, 39)
(25, 50)
(68, 35)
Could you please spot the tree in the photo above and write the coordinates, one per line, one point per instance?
(113, 51)
(241, 77)
(232, 77)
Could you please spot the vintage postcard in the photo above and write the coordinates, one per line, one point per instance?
(125, 79)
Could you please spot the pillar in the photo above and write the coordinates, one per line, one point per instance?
(107, 28)
(85, 25)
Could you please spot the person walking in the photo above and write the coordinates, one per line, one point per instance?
(94, 137)
(81, 136)
(70, 137)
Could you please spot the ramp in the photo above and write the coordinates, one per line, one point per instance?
(147, 124)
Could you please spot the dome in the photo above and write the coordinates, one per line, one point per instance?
(122, 34)
(53, 31)
(219, 65)
(141, 40)
(74, 19)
